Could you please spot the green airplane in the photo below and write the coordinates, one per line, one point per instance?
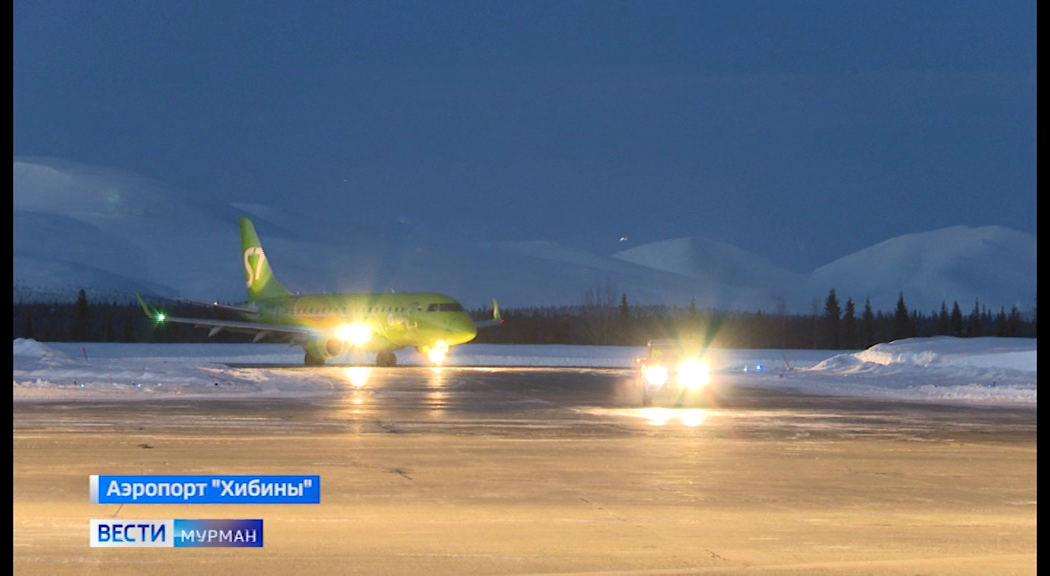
(327, 325)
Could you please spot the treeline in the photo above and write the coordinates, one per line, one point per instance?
(838, 326)
(112, 321)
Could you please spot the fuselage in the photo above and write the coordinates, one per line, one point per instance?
(394, 320)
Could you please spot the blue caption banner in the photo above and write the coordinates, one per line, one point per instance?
(205, 489)
(176, 533)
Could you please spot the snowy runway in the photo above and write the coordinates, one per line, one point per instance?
(529, 470)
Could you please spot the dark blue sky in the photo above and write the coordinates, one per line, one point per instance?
(799, 130)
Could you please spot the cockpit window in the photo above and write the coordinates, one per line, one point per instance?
(445, 307)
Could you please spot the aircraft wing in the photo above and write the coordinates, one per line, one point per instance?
(295, 333)
(243, 309)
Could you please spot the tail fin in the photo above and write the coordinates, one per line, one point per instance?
(257, 273)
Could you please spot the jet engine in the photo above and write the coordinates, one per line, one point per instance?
(317, 351)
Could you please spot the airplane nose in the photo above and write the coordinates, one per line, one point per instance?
(467, 327)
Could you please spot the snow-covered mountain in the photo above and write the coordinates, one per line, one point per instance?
(716, 266)
(114, 234)
(992, 265)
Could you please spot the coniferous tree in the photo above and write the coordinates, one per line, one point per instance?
(956, 321)
(902, 327)
(129, 332)
(1000, 322)
(832, 318)
(849, 325)
(974, 326)
(868, 322)
(1014, 323)
(625, 320)
(108, 330)
(944, 321)
(82, 329)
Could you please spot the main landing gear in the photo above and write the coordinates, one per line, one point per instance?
(382, 359)
(386, 359)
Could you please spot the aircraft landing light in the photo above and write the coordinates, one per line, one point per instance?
(437, 353)
(355, 334)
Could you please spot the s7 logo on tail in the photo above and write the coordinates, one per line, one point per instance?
(253, 275)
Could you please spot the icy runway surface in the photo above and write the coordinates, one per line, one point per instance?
(976, 371)
(899, 460)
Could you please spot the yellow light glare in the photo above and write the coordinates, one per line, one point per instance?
(657, 416)
(437, 353)
(355, 334)
(693, 418)
(656, 375)
(357, 376)
(694, 373)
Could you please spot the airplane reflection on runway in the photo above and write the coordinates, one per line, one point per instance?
(435, 391)
(357, 376)
(436, 397)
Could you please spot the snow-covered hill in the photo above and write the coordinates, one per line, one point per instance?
(992, 265)
(114, 234)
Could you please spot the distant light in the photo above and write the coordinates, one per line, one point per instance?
(623, 238)
(161, 317)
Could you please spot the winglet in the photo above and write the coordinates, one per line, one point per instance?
(149, 313)
(496, 318)
(154, 315)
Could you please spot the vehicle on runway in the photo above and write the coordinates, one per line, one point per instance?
(675, 371)
(327, 325)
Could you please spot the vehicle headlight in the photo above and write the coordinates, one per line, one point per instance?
(656, 375)
(694, 373)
